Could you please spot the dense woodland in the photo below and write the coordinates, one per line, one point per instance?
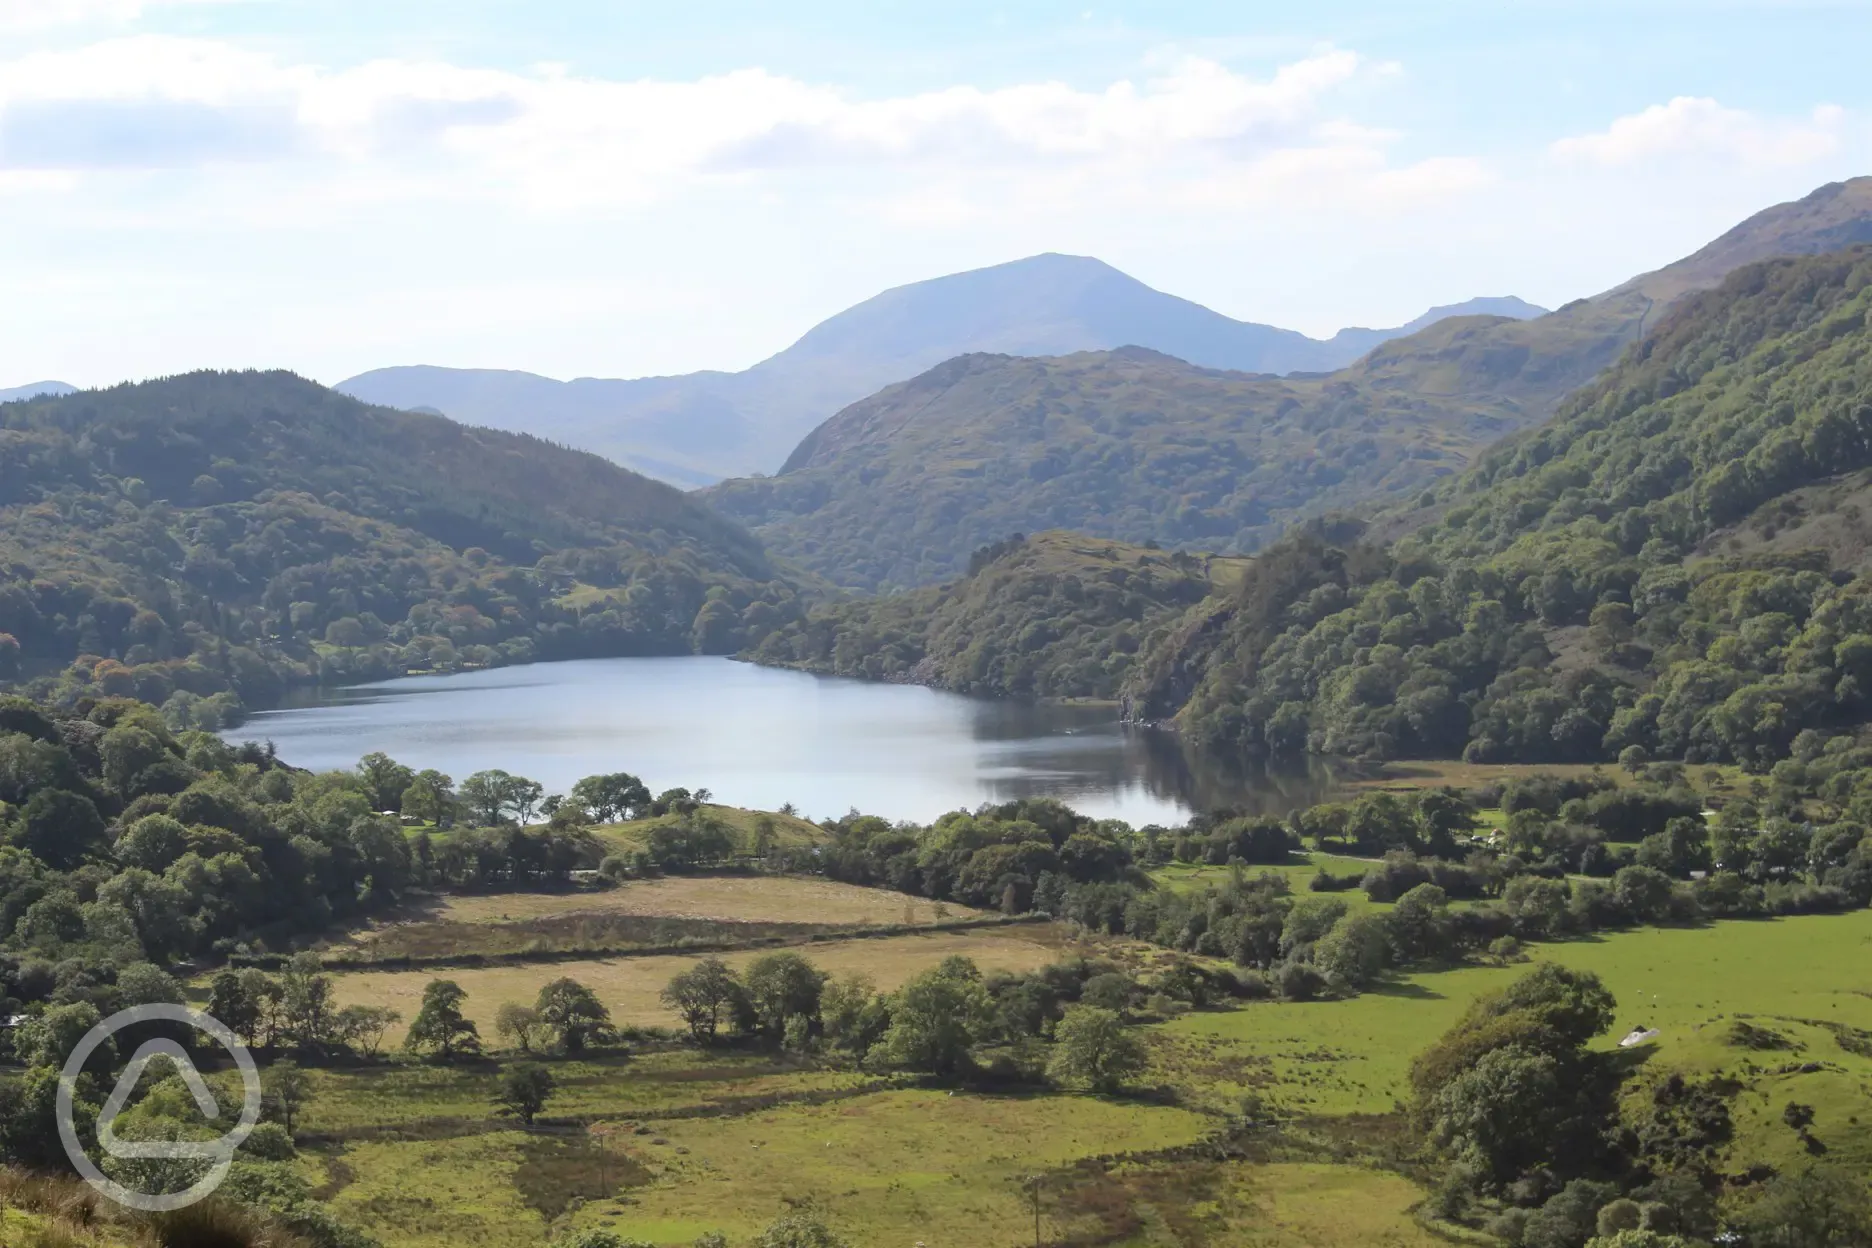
(897, 490)
(1630, 580)
(1576, 594)
(1054, 615)
(205, 541)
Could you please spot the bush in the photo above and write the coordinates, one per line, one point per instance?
(1299, 982)
(797, 1230)
(1094, 1049)
(269, 1142)
(1570, 1218)
(599, 1237)
(1251, 985)
(1114, 990)
(1324, 881)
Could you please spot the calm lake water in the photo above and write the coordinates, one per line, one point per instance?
(760, 737)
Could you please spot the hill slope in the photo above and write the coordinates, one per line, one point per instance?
(1587, 587)
(1057, 614)
(1128, 444)
(897, 489)
(701, 427)
(224, 533)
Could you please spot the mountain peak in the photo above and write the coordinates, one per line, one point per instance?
(36, 390)
(698, 428)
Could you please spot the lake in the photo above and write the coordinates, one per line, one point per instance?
(760, 737)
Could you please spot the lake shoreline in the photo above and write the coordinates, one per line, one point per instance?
(758, 735)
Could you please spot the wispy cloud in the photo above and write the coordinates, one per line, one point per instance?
(558, 141)
(1693, 127)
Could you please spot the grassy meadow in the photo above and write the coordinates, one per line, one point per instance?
(1299, 872)
(1806, 979)
(668, 1146)
(665, 1142)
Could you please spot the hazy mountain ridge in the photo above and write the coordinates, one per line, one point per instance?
(700, 427)
(897, 489)
(35, 390)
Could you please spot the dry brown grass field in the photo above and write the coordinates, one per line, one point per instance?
(648, 914)
(629, 986)
(726, 898)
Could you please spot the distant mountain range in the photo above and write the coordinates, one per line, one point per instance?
(701, 427)
(898, 489)
(36, 389)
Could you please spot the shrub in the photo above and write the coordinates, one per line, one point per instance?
(269, 1141)
(1300, 982)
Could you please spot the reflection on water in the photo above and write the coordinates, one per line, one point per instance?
(761, 737)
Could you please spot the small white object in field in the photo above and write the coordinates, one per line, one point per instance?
(1638, 1036)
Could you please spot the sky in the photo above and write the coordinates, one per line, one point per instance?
(614, 188)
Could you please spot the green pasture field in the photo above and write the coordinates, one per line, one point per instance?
(665, 1144)
(414, 1098)
(789, 830)
(668, 1146)
(1807, 979)
(1299, 871)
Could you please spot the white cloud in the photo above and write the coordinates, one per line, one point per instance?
(1692, 126)
(560, 142)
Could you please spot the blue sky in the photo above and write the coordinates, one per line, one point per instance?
(578, 187)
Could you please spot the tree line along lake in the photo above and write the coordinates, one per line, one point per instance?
(762, 737)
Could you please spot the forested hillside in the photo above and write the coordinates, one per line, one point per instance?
(1130, 445)
(1604, 584)
(1057, 614)
(896, 490)
(203, 541)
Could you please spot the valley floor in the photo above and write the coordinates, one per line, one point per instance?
(670, 1142)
